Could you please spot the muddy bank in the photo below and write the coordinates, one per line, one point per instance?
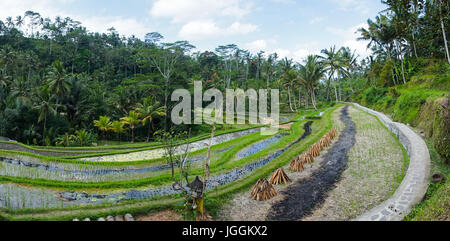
(301, 197)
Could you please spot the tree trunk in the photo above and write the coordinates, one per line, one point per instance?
(132, 135)
(294, 99)
(208, 155)
(148, 132)
(445, 39)
(401, 59)
(313, 98)
(335, 93)
(289, 96)
(299, 97)
(414, 44)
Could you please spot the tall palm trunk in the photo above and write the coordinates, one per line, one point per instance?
(401, 60)
(335, 92)
(299, 97)
(289, 96)
(445, 39)
(313, 97)
(293, 97)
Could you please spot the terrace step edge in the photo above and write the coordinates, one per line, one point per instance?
(414, 185)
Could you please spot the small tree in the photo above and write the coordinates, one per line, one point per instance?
(118, 127)
(149, 110)
(132, 120)
(103, 124)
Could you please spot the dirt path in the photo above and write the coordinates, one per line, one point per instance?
(243, 208)
(300, 198)
(374, 169)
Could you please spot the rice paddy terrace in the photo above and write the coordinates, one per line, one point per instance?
(339, 163)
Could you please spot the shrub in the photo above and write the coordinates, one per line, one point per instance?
(408, 106)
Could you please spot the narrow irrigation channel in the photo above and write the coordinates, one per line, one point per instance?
(213, 182)
(301, 197)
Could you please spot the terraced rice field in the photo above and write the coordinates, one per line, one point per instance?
(62, 184)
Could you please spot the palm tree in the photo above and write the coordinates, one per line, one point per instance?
(103, 124)
(118, 127)
(58, 81)
(19, 21)
(350, 61)
(83, 137)
(310, 74)
(333, 63)
(10, 22)
(45, 106)
(131, 120)
(150, 110)
(288, 78)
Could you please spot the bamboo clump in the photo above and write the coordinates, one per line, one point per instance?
(263, 190)
(279, 176)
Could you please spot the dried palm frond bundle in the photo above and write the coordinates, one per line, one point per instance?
(263, 190)
(332, 133)
(318, 146)
(307, 158)
(279, 176)
(296, 165)
(314, 151)
(325, 141)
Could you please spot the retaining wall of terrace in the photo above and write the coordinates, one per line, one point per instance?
(415, 183)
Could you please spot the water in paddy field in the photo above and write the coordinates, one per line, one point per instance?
(257, 147)
(13, 196)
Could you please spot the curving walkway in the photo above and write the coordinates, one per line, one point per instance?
(415, 183)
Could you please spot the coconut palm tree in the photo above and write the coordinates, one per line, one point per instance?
(310, 74)
(19, 21)
(149, 110)
(333, 63)
(131, 120)
(46, 107)
(103, 124)
(57, 80)
(118, 127)
(288, 78)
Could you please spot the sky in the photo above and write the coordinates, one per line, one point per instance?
(292, 28)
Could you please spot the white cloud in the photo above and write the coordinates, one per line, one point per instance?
(125, 26)
(350, 36)
(283, 1)
(196, 30)
(257, 45)
(359, 6)
(182, 10)
(49, 8)
(202, 19)
(297, 53)
(315, 20)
